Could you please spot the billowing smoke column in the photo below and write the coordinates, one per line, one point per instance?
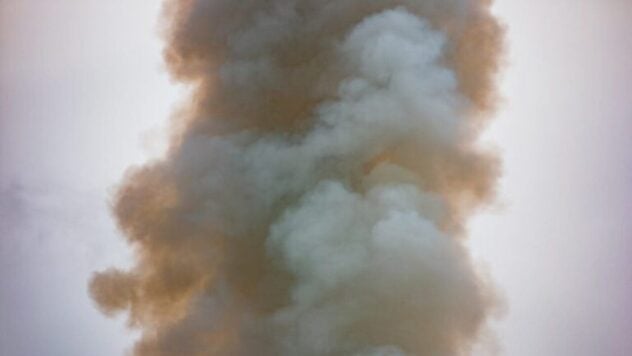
(313, 199)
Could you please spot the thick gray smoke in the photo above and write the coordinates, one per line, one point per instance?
(314, 197)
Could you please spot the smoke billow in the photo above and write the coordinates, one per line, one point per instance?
(314, 197)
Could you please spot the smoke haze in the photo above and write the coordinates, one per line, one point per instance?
(314, 197)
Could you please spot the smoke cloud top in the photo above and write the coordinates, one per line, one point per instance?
(314, 197)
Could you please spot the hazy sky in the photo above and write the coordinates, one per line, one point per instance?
(83, 95)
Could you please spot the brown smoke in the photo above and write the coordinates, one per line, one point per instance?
(314, 201)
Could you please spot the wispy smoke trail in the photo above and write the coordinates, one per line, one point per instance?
(314, 200)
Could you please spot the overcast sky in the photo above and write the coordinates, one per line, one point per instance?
(83, 95)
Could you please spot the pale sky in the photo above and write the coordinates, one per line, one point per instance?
(83, 95)
(560, 248)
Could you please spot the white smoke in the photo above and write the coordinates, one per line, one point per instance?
(314, 202)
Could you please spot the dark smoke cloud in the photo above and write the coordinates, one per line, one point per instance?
(314, 197)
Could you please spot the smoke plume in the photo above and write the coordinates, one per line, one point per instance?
(314, 196)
